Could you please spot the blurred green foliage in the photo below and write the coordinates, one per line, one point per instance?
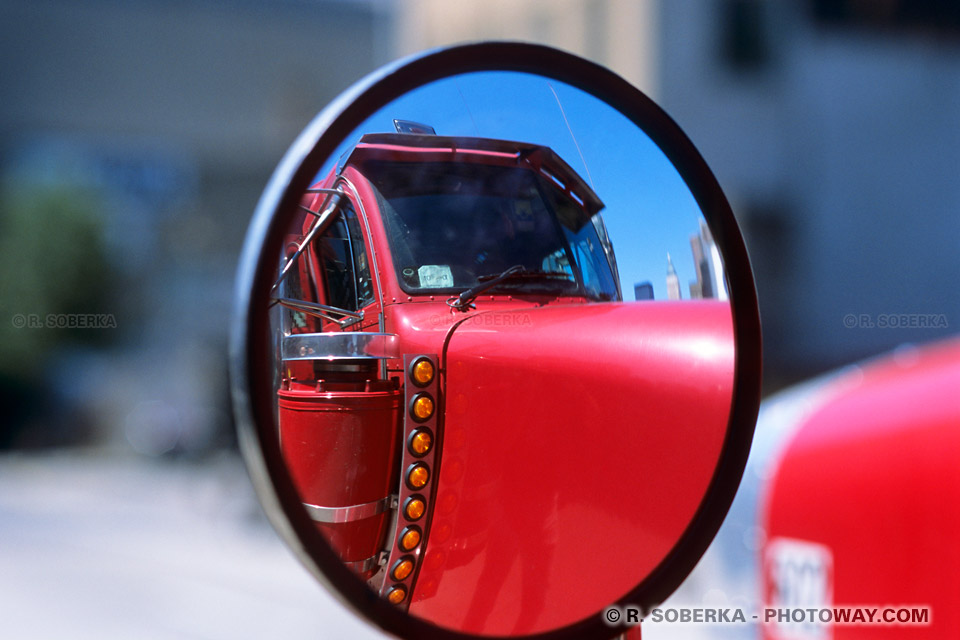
(54, 261)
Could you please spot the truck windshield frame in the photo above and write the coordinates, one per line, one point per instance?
(451, 224)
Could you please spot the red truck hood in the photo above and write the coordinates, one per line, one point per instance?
(578, 442)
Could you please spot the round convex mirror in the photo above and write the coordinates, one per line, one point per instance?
(496, 350)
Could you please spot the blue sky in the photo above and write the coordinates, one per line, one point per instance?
(649, 209)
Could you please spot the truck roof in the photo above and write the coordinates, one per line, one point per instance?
(413, 147)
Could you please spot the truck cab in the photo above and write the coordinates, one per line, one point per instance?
(450, 322)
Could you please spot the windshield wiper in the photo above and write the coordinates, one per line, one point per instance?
(464, 300)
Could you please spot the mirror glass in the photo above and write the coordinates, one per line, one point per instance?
(503, 353)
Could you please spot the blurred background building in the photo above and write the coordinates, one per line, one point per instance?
(135, 139)
(829, 124)
(157, 124)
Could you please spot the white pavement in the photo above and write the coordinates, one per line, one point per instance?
(103, 546)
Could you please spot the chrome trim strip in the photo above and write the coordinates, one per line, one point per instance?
(352, 345)
(373, 261)
(337, 515)
(366, 223)
(362, 566)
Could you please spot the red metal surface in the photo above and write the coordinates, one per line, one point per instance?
(874, 477)
(549, 503)
(633, 633)
(518, 543)
(341, 450)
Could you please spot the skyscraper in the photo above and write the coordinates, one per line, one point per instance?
(673, 282)
(708, 265)
(643, 291)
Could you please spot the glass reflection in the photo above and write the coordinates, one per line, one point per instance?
(453, 226)
(487, 229)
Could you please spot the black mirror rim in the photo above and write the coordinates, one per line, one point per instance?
(254, 413)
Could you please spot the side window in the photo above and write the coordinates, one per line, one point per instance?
(360, 262)
(343, 262)
(592, 261)
(292, 320)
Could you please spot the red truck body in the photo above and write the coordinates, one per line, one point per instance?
(524, 378)
(862, 510)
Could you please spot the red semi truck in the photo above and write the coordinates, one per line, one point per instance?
(451, 325)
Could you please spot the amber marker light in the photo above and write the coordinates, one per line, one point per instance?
(397, 595)
(414, 508)
(418, 476)
(402, 569)
(422, 407)
(410, 538)
(420, 442)
(422, 372)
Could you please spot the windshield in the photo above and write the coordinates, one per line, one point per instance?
(450, 225)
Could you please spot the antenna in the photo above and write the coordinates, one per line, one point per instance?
(575, 143)
(469, 113)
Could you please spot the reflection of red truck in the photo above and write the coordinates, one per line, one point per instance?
(862, 510)
(451, 327)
